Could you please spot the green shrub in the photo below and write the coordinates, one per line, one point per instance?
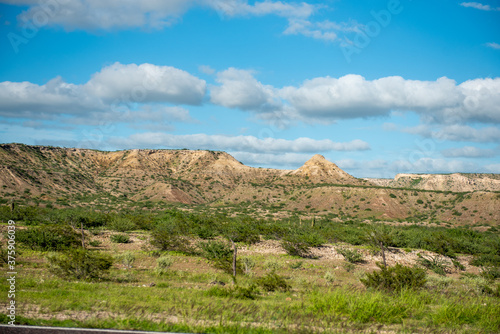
(120, 238)
(298, 243)
(330, 277)
(296, 265)
(122, 224)
(273, 282)
(395, 278)
(490, 273)
(169, 237)
(434, 263)
(220, 255)
(486, 260)
(94, 243)
(458, 265)
(162, 264)
(80, 264)
(352, 256)
(126, 258)
(49, 238)
(272, 265)
(248, 265)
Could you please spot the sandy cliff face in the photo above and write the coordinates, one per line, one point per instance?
(442, 182)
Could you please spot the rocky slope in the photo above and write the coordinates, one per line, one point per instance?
(443, 182)
(66, 176)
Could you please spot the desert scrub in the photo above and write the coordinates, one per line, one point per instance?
(120, 238)
(49, 238)
(162, 264)
(330, 277)
(79, 264)
(352, 256)
(273, 282)
(272, 265)
(126, 258)
(248, 265)
(395, 278)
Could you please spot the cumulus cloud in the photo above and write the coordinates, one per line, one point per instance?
(107, 15)
(237, 143)
(108, 93)
(352, 96)
(146, 83)
(459, 133)
(239, 89)
(469, 152)
(25, 99)
(434, 165)
(153, 14)
(479, 6)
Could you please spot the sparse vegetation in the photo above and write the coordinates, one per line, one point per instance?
(180, 263)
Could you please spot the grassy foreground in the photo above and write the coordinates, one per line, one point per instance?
(184, 300)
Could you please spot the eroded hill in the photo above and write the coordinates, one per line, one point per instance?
(66, 176)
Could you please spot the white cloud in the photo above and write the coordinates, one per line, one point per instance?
(468, 152)
(282, 160)
(493, 45)
(146, 83)
(108, 92)
(479, 6)
(107, 15)
(236, 143)
(242, 8)
(432, 165)
(459, 133)
(206, 69)
(25, 99)
(353, 96)
(492, 168)
(94, 15)
(239, 89)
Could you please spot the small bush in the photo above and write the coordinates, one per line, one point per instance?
(330, 277)
(299, 243)
(120, 238)
(273, 282)
(490, 273)
(272, 265)
(296, 265)
(127, 259)
(434, 263)
(79, 264)
(395, 278)
(162, 264)
(248, 265)
(352, 256)
(458, 265)
(49, 238)
(348, 266)
(220, 255)
(94, 243)
(121, 224)
(169, 237)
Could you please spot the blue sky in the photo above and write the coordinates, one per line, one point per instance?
(378, 87)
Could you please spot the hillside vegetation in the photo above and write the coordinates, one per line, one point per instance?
(195, 241)
(215, 181)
